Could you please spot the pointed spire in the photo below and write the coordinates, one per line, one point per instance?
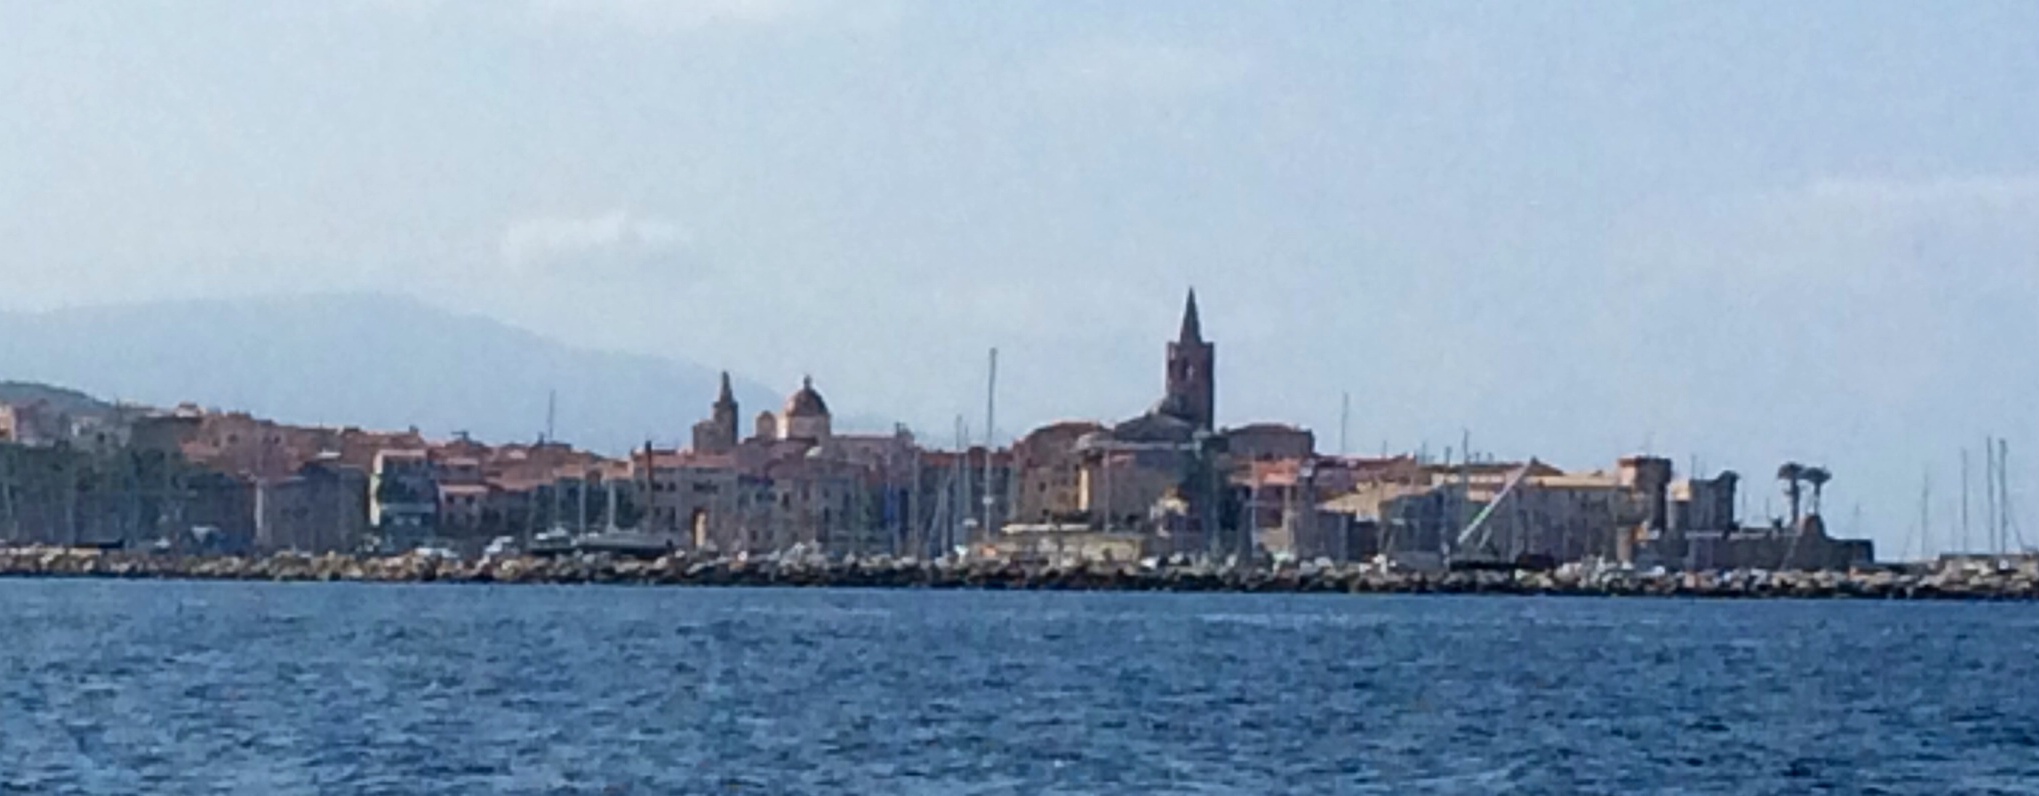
(1192, 327)
(727, 397)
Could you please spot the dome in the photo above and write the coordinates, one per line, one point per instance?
(807, 402)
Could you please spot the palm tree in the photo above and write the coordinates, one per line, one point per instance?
(1793, 475)
(1818, 477)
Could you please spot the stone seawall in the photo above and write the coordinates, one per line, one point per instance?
(685, 570)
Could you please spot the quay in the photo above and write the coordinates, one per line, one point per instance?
(2005, 583)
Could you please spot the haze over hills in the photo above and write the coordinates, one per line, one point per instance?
(368, 360)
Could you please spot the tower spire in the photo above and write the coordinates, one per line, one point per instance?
(727, 397)
(1192, 326)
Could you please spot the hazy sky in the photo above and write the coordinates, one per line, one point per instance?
(1736, 231)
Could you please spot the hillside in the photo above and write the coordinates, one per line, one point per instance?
(62, 399)
(364, 360)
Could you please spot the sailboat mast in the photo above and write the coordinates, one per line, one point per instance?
(1989, 502)
(1965, 543)
(1465, 480)
(961, 508)
(1345, 424)
(610, 510)
(1925, 510)
(582, 491)
(990, 419)
(2004, 495)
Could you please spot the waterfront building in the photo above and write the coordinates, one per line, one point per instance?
(322, 508)
(1261, 442)
(1191, 393)
(404, 498)
(1162, 472)
(718, 433)
(1049, 469)
(793, 481)
(806, 417)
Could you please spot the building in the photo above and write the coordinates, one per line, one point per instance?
(1704, 504)
(1259, 442)
(806, 416)
(322, 508)
(217, 514)
(1163, 472)
(1192, 386)
(793, 481)
(404, 498)
(702, 498)
(718, 434)
(35, 423)
(1777, 547)
(1050, 473)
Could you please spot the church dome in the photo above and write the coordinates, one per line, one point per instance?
(807, 402)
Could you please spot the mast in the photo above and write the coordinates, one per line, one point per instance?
(960, 510)
(558, 514)
(1105, 475)
(2011, 530)
(1465, 478)
(647, 513)
(990, 418)
(1345, 424)
(1965, 544)
(1925, 511)
(1989, 480)
(914, 492)
(611, 508)
(2004, 494)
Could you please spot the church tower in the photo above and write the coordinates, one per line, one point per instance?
(718, 433)
(1192, 378)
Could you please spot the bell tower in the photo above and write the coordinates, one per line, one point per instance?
(718, 433)
(1192, 379)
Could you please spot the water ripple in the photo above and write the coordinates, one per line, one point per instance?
(116, 687)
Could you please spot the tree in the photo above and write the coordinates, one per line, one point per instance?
(1793, 476)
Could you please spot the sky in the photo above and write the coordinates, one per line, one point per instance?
(1733, 233)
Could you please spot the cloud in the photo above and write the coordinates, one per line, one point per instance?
(1142, 68)
(617, 243)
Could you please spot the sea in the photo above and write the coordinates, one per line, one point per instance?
(113, 687)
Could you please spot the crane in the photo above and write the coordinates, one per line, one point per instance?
(1475, 537)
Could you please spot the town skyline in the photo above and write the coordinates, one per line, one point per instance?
(1760, 503)
(1171, 476)
(1733, 230)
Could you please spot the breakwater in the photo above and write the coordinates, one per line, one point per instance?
(880, 572)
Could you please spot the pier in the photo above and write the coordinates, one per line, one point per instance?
(2017, 582)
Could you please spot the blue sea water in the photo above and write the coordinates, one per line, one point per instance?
(131, 687)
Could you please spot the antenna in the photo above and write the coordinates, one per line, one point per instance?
(551, 412)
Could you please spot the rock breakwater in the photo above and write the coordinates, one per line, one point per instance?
(906, 573)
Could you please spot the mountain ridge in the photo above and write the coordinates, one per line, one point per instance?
(362, 359)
